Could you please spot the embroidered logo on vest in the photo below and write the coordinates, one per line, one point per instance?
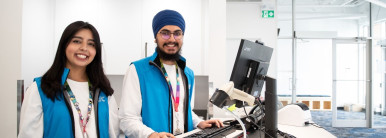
(101, 99)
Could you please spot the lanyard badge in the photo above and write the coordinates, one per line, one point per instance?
(76, 104)
(176, 99)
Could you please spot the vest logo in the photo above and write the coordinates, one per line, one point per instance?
(101, 99)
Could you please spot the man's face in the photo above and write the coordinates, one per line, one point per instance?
(169, 39)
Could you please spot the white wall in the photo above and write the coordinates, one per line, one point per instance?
(118, 23)
(37, 38)
(215, 38)
(124, 27)
(244, 21)
(10, 59)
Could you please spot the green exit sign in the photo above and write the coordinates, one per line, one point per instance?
(267, 14)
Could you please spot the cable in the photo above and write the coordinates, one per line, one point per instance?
(260, 127)
(262, 107)
(238, 119)
(314, 124)
(263, 110)
(266, 132)
(246, 114)
(285, 135)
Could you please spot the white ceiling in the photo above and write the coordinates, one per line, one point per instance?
(322, 3)
(324, 9)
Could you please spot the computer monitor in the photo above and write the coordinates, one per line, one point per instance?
(250, 67)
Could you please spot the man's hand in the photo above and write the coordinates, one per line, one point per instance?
(209, 123)
(161, 135)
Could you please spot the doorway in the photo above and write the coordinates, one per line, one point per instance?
(349, 83)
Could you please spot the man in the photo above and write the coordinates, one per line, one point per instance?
(157, 90)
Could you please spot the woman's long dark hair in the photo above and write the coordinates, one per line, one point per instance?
(51, 80)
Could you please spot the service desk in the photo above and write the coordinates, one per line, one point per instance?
(234, 134)
(308, 131)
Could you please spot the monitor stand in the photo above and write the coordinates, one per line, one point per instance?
(270, 113)
(271, 107)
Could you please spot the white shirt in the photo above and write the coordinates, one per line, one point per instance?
(131, 104)
(178, 119)
(31, 118)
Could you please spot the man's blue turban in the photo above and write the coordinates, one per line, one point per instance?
(167, 17)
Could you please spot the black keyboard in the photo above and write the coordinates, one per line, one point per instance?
(213, 132)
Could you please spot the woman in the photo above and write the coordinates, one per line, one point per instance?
(74, 97)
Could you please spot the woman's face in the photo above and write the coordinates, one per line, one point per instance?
(80, 50)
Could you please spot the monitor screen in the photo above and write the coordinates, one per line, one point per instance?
(250, 66)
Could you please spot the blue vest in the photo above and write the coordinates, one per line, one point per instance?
(157, 110)
(58, 115)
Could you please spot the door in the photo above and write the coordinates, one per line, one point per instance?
(379, 79)
(349, 82)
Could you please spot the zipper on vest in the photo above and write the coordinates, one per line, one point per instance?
(159, 68)
(185, 81)
(68, 104)
(96, 97)
(68, 101)
(186, 102)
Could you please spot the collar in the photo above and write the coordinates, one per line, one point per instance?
(181, 62)
(65, 75)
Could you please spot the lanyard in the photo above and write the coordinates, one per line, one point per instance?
(76, 104)
(177, 99)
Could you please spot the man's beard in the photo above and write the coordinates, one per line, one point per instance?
(166, 56)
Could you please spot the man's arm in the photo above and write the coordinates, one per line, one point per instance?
(131, 106)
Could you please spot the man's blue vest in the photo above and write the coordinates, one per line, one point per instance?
(157, 111)
(58, 115)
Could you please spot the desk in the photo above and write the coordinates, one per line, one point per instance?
(299, 132)
(232, 135)
(308, 131)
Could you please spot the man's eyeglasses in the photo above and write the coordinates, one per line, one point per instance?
(166, 35)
